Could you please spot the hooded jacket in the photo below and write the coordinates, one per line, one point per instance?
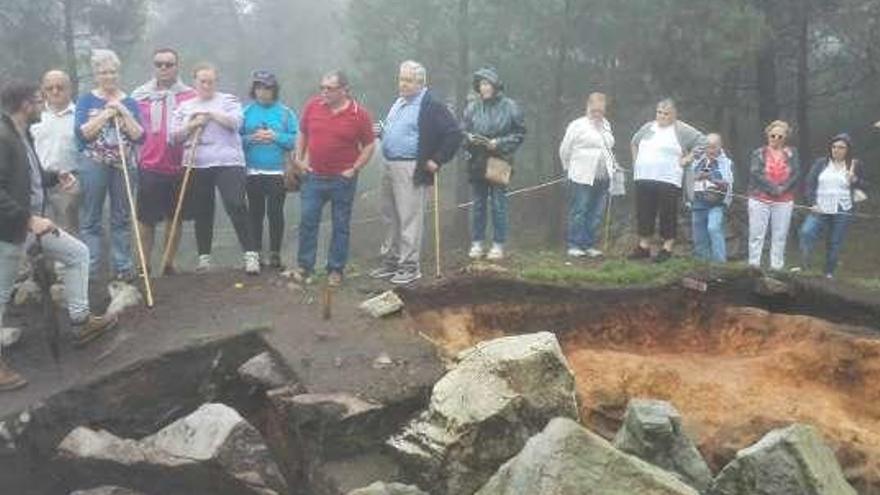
(498, 118)
(812, 181)
(15, 183)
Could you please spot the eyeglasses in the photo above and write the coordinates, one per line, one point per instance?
(54, 87)
(163, 65)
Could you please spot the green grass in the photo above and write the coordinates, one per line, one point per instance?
(554, 268)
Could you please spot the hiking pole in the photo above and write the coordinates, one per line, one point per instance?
(188, 164)
(437, 222)
(43, 279)
(134, 219)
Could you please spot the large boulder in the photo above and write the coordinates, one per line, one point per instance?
(381, 488)
(787, 461)
(567, 459)
(483, 411)
(652, 431)
(212, 451)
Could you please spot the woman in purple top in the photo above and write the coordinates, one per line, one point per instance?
(101, 168)
(219, 163)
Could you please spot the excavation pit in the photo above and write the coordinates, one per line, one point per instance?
(736, 364)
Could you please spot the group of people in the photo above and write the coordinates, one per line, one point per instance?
(673, 161)
(60, 160)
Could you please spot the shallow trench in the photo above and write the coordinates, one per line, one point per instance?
(736, 365)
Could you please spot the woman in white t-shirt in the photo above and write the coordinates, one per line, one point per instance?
(586, 155)
(831, 191)
(661, 150)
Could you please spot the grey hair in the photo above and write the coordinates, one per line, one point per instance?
(417, 70)
(667, 103)
(102, 57)
(340, 76)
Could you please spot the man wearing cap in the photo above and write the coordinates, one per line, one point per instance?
(420, 134)
(268, 133)
(335, 141)
(160, 159)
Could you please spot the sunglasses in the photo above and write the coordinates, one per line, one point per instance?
(164, 65)
(776, 136)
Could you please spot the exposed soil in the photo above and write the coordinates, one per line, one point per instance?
(733, 370)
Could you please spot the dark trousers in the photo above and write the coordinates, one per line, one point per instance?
(231, 183)
(266, 195)
(315, 193)
(657, 199)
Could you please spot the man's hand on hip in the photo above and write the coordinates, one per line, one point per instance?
(349, 173)
(432, 166)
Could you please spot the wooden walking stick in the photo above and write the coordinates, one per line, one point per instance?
(188, 164)
(437, 223)
(134, 220)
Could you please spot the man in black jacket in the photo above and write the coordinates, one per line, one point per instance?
(419, 136)
(23, 184)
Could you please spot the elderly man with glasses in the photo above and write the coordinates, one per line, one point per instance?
(335, 141)
(160, 160)
(55, 144)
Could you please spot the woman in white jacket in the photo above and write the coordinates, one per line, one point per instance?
(586, 155)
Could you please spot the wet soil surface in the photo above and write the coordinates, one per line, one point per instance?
(327, 355)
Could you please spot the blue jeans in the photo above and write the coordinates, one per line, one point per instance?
(812, 229)
(317, 191)
(586, 204)
(96, 182)
(483, 195)
(709, 241)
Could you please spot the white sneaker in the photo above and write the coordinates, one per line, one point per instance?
(594, 253)
(9, 336)
(496, 253)
(576, 252)
(204, 263)
(476, 251)
(252, 263)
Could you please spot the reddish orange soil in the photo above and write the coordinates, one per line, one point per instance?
(733, 375)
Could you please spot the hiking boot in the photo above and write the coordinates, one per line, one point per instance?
(204, 263)
(476, 251)
(403, 277)
(91, 328)
(576, 253)
(594, 253)
(334, 279)
(9, 379)
(9, 336)
(640, 253)
(663, 256)
(496, 253)
(383, 272)
(252, 263)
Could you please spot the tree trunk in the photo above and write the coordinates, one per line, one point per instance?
(557, 231)
(803, 96)
(70, 46)
(462, 87)
(768, 104)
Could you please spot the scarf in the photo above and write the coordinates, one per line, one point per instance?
(159, 98)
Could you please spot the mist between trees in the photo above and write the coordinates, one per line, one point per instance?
(732, 65)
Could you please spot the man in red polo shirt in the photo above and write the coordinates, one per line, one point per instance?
(335, 140)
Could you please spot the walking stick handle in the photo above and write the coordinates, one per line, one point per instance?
(148, 287)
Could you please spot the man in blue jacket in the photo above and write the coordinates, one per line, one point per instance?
(419, 136)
